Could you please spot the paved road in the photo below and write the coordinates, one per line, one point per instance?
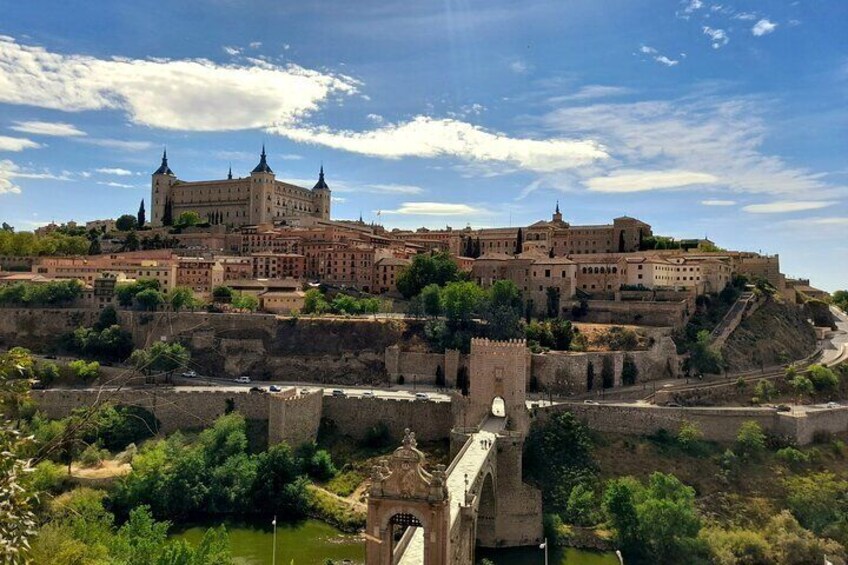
(838, 348)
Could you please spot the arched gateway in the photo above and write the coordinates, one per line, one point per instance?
(438, 518)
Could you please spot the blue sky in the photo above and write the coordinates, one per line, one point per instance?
(702, 118)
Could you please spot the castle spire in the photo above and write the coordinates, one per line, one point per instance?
(321, 182)
(557, 207)
(230, 172)
(164, 169)
(262, 167)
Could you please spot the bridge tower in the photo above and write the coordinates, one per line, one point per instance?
(404, 494)
(510, 514)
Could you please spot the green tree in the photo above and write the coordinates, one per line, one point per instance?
(502, 310)
(188, 219)
(552, 298)
(461, 300)
(131, 242)
(182, 297)
(823, 378)
(431, 300)
(314, 302)
(764, 390)
(224, 294)
(703, 356)
(801, 386)
(126, 222)
(150, 299)
(840, 300)
(84, 371)
(244, 301)
(425, 269)
(818, 500)
(160, 357)
(750, 438)
(278, 488)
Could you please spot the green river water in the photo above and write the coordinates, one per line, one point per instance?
(312, 542)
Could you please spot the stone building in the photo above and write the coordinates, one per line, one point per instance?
(257, 199)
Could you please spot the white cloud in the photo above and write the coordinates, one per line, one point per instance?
(375, 118)
(289, 157)
(338, 199)
(763, 27)
(119, 144)
(519, 66)
(640, 181)
(395, 189)
(434, 209)
(114, 171)
(255, 44)
(10, 171)
(431, 137)
(187, 94)
(232, 51)
(718, 36)
(718, 202)
(659, 58)
(593, 91)
(16, 143)
(693, 5)
(56, 129)
(711, 135)
(827, 221)
(784, 206)
(116, 184)
(745, 16)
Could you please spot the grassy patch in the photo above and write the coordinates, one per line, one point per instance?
(344, 515)
(345, 482)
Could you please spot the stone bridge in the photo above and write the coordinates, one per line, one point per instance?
(440, 517)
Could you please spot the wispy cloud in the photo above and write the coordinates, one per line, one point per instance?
(784, 206)
(592, 92)
(119, 144)
(56, 129)
(115, 184)
(10, 170)
(718, 202)
(114, 171)
(657, 56)
(519, 66)
(718, 37)
(707, 134)
(434, 209)
(430, 137)
(640, 181)
(232, 51)
(763, 27)
(17, 143)
(164, 93)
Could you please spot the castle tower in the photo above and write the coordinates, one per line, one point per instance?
(262, 180)
(557, 214)
(322, 194)
(160, 190)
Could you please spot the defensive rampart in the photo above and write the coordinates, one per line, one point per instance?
(355, 416)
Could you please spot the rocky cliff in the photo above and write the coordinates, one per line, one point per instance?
(775, 333)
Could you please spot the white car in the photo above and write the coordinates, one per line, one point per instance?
(189, 374)
(243, 380)
(367, 394)
(422, 396)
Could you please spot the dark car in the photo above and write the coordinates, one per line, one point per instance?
(275, 388)
(37, 385)
(784, 408)
(256, 389)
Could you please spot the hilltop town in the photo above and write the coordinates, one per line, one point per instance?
(424, 387)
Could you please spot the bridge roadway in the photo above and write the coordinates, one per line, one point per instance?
(470, 462)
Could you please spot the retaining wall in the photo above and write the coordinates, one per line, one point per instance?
(355, 416)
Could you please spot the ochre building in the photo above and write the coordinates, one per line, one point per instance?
(235, 202)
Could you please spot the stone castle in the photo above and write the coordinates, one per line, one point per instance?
(235, 202)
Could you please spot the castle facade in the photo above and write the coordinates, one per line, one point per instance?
(236, 202)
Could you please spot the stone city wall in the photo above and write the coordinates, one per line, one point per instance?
(421, 367)
(663, 314)
(294, 419)
(717, 424)
(355, 416)
(175, 410)
(565, 372)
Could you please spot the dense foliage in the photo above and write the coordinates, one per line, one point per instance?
(316, 302)
(23, 244)
(41, 294)
(160, 357)
(425, 269)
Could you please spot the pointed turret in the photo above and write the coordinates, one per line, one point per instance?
(164, 169)
(262, 167)
(557, 214)
(230, 172)
(321, 183)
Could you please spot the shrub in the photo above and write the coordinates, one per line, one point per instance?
(690, 436)
(750, 439)
(823, 378)
(83, 370)
(792, 456)
(764, 390)
(93, 456)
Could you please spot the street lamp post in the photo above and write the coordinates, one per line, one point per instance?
(544, 546)
(620, 557)
(274, 546)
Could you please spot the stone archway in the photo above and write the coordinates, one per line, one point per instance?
(404, 495)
